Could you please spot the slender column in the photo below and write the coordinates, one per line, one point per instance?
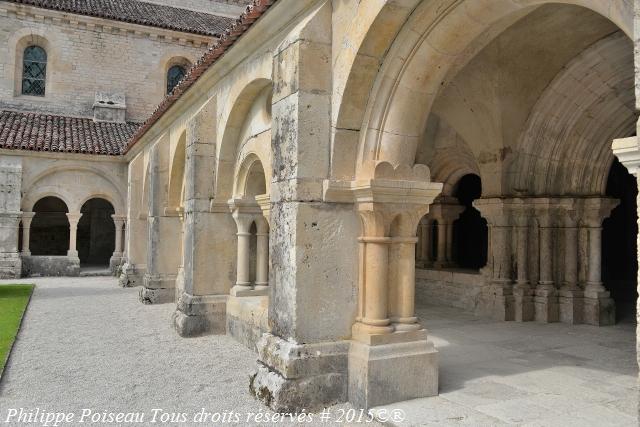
(425, 247)
(118, 220)
(523, 294)
(243, 282)
(403, 289)
(571, 302)
(74, 218)
(373, 318)
(442, 243)
(594, 283)
(27, 217)
(450, 243)
(262, 255)
(522, 244)
(546, 297)
(570, 257)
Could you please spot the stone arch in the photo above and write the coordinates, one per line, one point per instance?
(435, 40)
(96, 232)
(251, 179)
(238, 130)
(176, 174)
(62, 182)
(49, 234)
(564, 148)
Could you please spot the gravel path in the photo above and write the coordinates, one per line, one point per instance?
(87, 344)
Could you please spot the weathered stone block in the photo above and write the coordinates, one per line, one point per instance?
(389, 373)
(200, 315)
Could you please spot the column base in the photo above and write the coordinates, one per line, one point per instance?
(10, 266)
(546, 304)
(115, 262)
(524, 307)
(497, 301)
(158, 289)
(388, 373)
(246, 291)
(131, 275)
(599, 309)
(291, 377)
(198, 315)
(571, 306)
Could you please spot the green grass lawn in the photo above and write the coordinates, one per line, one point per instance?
(13, 302)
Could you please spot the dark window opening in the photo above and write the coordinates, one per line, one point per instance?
(34, 71)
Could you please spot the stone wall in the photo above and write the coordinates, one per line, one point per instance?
(86, 55)
(37, 266)
(450, 288)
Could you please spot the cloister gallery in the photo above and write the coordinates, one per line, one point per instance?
(326, 164)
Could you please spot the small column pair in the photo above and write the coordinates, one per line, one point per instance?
(247, 212)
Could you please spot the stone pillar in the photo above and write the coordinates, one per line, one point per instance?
(10, 202)
(134, 266)
(570, 295)
(546, 296)
(73, 218)
(209, 243)
(27, 217)
(599, 308)
(303, 360)
(523, 294)
(163, 227)
(497, 298)
(424, 248)
(117, 257)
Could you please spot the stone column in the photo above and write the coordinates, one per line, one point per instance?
(570, 295)
(497, 298)
(546, 297)
(10, 202)
(599, 308)
(523, 294)
(387, 336)
(27, 217)
(116, 258)
(446, 211)
(134, 266)
(245, 212)
(262, 255)
(73, 218)
(424, 252)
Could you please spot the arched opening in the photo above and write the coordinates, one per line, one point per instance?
(96, 233)
(619, 243)
(49, 228)
(470, 229)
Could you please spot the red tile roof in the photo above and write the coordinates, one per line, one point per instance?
(44, 132)
(138, 12)
(227, 39)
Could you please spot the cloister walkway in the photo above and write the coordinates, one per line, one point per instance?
(85, 343)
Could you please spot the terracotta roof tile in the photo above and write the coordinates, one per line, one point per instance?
(138, 12)
(45, 132)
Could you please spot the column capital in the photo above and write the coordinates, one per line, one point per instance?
(594, 210)
(26, 218)
(403, 191)
(494, 210)
(244, 212)
(445, 210)
(74, 217)
(627, 150)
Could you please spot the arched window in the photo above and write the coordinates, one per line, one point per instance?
(34, 71)
(174, 75)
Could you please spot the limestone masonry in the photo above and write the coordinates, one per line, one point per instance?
(300, 173)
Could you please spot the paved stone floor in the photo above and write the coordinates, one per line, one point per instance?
(85, 343)
(501, 373)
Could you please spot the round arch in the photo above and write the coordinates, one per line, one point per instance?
(430, 45)
(233, 131)
(49, 235)
(176, 174)
(251, 178)
(96, 232)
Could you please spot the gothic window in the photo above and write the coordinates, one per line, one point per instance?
(34, 71)
(174, 75)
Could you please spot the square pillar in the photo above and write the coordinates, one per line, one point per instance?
(209, 240)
